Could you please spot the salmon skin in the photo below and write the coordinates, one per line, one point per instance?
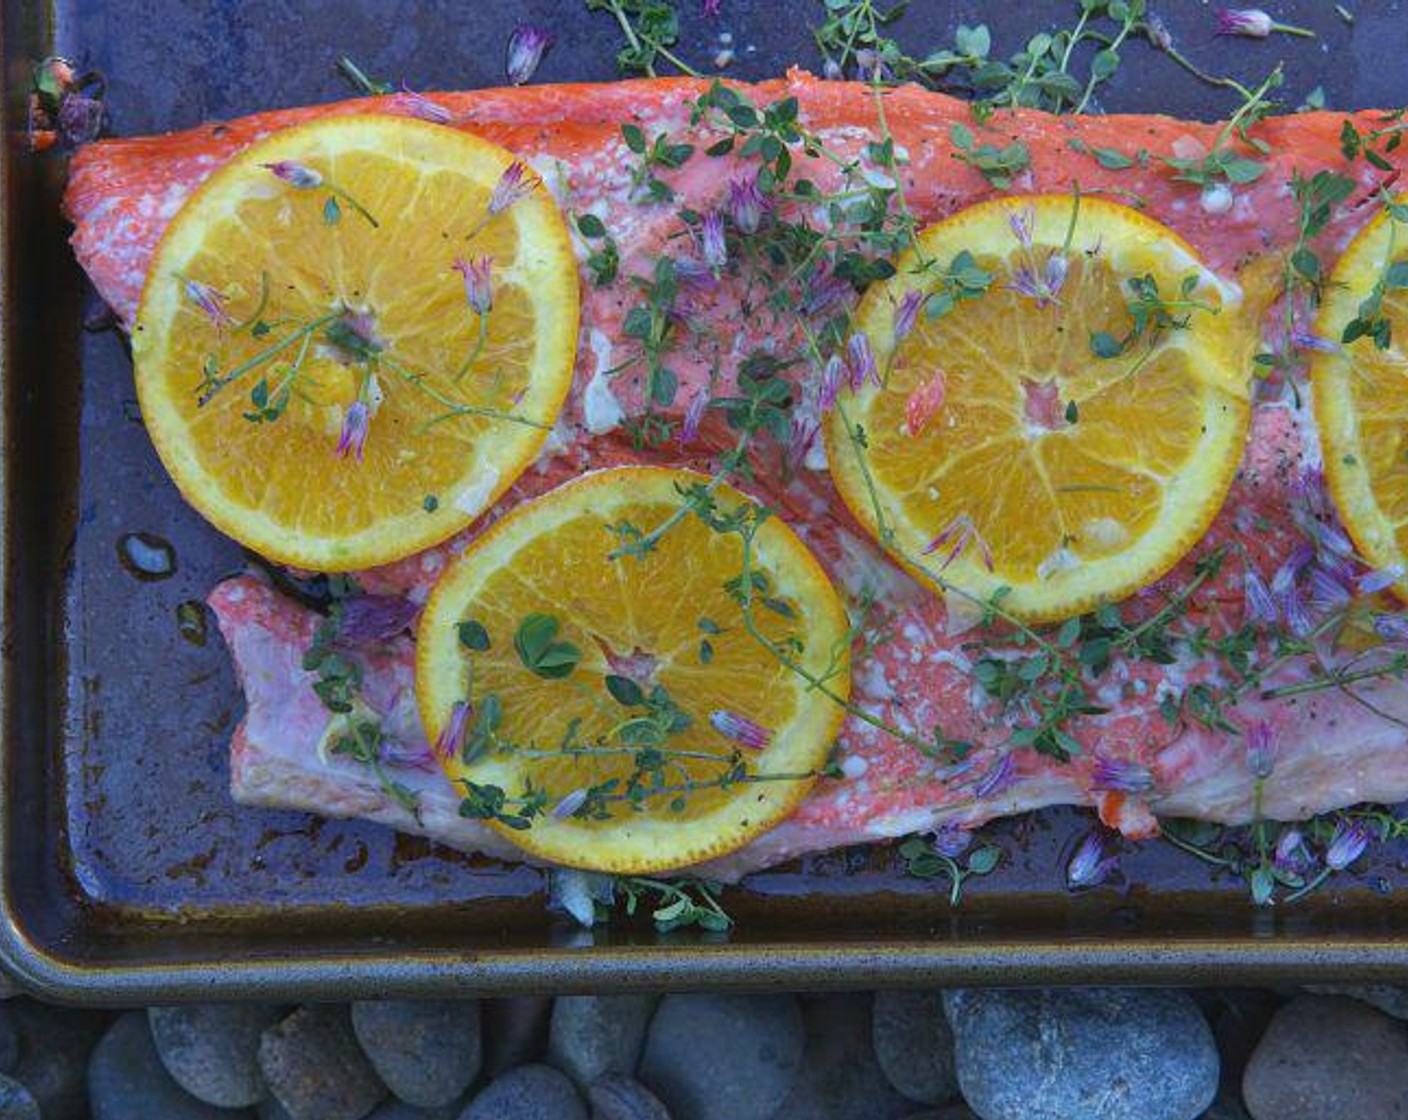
(1331, 749)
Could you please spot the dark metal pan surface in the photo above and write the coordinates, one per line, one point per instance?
(128, 873)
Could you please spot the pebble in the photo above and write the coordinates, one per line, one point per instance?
(312, 1064)
(16, 1103)
(1328, 1057)
(212, 1049)
(591, 1036)
(723, 1057)
(427, 1052)
(400, 1110)
(841, 1078)
(952, 1112)
(55, 1044)
(1082, 1054)
(515, 1031)
(126, 1080)
(1387, 998)
(621, 1098)
(914, 1045)
(533, 1092)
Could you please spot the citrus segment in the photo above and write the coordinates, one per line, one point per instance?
(1079, 380)
(614, 711)
(348, 346)
(1360, 391)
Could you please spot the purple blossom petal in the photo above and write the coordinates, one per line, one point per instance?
(1292, 608)
(693, 415)
(526, 47)
(1250, 22)
(1257, 599)
(1091, 864)
(860, 361)
(210, 301)
(1381, 579)
(1121, 775)
(1261, 749)
(1057, 269)
(1305, 340)
(740, 729)
(450, 741)
(824, 290)
(1328, 594)
(355, 426)
(998, 777)
(1159, 34)
(371, 619)
(831, 376)
(1346, 845)
(297, 175)
(747, 204)
(569, 805)
(1391, 627)
(951, 840)
(478, 283)
(907, 312)
(395, 753)
(713, 247)
(1022, 222)
(418, 105)
(1292, 854)
(710, 8)
(81, 119)
(801, 437)
(1284, 580)
(515, 184)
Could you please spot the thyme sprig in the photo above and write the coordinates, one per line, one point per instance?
(651, 29)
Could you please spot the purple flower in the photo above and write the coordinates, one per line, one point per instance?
(1251, 22)
(998, 777)
(951, 840)
(1257, 599)
(355, 426)
(746, 203)
(740, 729)
(526, 47)
(1158, 32)
(710, 8)
(1261, 749)
(1121, 775)
(478, 283)
(906, 313)
(712, 245)
(831, 375)
(1022, 222)
(800, 438)
(450, 741)
(393, 752)
(1045, 288)
(421, 106)
(1292, 607)
(569, 805)
(1381, 579)
(371, 619)
(693, 414)
(860, 360)
(1391, 627)
(1346, 845)
(514, 185)
(824, 290)
(1291, 853)
(1091, 864)
(1285, 578)
(831, 70)
(209, 301)
(957, 535)
(1304, 340)
(1328, 593)
(297, 175)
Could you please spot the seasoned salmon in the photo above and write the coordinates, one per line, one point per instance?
(1332, 748)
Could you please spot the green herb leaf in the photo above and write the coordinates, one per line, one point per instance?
(540, 652)
(473, 636)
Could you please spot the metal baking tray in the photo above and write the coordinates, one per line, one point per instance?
(128, 875)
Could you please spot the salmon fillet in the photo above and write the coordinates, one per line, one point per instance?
(1332, 749)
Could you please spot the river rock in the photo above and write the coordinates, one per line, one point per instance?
(515, 1031)
(623, 1098)
(1082, 1054)
(126, 1080)
(532, 1092)
(212, 1049)
(428, 1053)
(951, 1112)
(592, 1036)
(914, 1045)
(1328, 1058)
(723, 1057)
(1387, 998)
(313, 1065)
(841, 1078)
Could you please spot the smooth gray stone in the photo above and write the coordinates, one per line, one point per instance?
(1329, 1058)
(400, 1110)
(313, 1065)
(1387, 998)
(16, 1102)
(914, 1045)
(427, 1052)
(592, 1036)
(623, 1098)
(515, 1032)
(723, 1057)
(212, 1049)
(532, 1092)
(126, 1080)
(1082, 1054)
(841, 1078)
